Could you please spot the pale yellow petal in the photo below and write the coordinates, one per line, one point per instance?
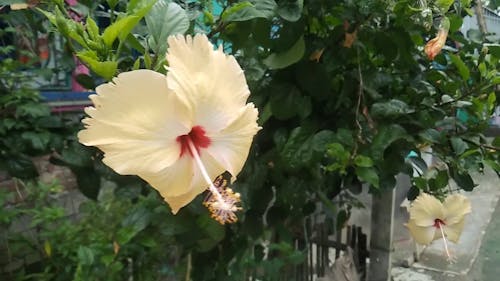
(425, 210)
(211, 82)
(456, 206)
(421, 235)
(174, 180)
(136, 157)
(230, 147)
(135, 122)
(182, 182)
(140, 101)
(177, 202)
(19, 6)
(454, 231)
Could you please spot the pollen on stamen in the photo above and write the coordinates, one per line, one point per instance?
(225, 211)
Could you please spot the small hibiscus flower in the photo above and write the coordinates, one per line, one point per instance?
(431, 220)
(180, 131)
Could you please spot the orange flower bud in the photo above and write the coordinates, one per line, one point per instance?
(434, 46)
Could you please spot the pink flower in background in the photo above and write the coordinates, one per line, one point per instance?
(72, 2)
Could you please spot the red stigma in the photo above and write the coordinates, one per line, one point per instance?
(197, 137)
(438, 223)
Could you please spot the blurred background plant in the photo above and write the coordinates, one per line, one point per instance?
(348, 100)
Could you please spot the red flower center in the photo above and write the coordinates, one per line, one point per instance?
(197, 137)
(438, 223)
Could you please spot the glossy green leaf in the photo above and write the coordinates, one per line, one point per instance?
(38, 140)
(363, 161)
(241, 11)
(120, 28)
(165, 19)
(391, 108)
(92, 29)
(463, 180)
(368, 175)
(105, 69)
(385, 137)
(20, 166)
(85, 255)
(444, 5)
(287, 58)
(290, 10)
(459, 146)
(460, 65)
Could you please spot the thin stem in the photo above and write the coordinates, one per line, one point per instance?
(483, 145)
(188, 267)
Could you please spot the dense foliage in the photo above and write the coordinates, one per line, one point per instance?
(345, 93)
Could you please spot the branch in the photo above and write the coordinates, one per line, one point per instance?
(496, 148)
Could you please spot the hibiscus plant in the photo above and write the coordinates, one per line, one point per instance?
(349, 94)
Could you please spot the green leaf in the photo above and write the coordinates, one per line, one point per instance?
(148, 242)
(38, 140)
(463, 180)
(363, 161)
(460, 65)
(493, 164)
(340, 158)
(391, 108)
(440, 181)
(163, 20)
(75, 156)
(32, 109)
(290, 10)
(92, 29)
(137, 219)
(265, 7)
(298, 148)
(133, 42)
(241, 11)
(431, 135)
(86, 81)
(50, 16)
(85, 255)
(20, 166)
(342, 218)
(105, 69)
(475, 35)
(112, 3)
(212, 228)
(456, 22)
(493, 49)
(286, 101)
(368, 175)
(284, 59)
(120, 28)
(444, 5)
(321, 140)
(89, 182)
(459, 146)
(385, 137)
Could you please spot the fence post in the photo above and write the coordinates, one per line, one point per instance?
(381, 236)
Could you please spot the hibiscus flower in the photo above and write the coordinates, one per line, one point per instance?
(180, 131)
(431, 220)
